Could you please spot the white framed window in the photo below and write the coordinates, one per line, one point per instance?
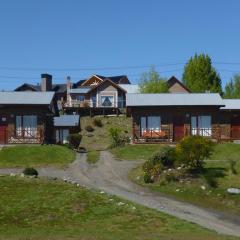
(201, 125)
(107, 101)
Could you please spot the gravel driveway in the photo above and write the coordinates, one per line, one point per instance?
(111, 176)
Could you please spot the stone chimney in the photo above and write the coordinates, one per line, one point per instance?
(46, 84)
(69, 83)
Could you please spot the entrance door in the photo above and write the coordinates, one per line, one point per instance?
(178, 128)
(235, 127)
(3, 129)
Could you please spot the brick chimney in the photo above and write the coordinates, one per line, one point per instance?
(46, 84)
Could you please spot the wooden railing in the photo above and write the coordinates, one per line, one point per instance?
(25, 136)
(150, 135)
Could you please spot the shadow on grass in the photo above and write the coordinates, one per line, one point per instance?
(210, 175)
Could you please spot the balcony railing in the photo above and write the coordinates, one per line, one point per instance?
(94, 104)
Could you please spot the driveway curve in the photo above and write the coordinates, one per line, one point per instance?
(111, 176)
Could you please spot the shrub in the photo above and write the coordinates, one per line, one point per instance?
(165, 157)
(118, 139)
(89, 128)
(147, 166)
(171, 177)
(30, 172)
(147, 178)
(74, 140)
(193, 150)
(97, 122)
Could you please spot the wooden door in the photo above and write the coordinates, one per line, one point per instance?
(3, 129)
(235, 127)
(178, 128)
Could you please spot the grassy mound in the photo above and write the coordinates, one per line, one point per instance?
(99, 138)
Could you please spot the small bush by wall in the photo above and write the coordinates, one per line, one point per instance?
(97, 122)
(74, 140)
(89, 128)
(118, 139)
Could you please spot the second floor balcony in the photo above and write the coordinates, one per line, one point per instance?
(94, 104)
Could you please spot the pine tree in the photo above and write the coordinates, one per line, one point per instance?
(200, 76)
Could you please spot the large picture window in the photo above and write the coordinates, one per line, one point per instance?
(201, 125)
(150, 123)
(26, 126)
(107, 101)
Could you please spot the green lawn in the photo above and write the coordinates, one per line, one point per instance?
(136, 152)
(38, 209)
(227, 151)
(218, 172)
(35, 156)
(93, 156)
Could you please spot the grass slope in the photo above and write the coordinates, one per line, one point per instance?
(99, 138)
(37, 209)
(217, 168)
(35, 156)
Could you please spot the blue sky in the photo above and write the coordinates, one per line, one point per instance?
(108, 37)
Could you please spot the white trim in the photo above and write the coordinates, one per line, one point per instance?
(90, 79)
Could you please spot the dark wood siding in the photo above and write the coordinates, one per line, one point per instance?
(175, 119)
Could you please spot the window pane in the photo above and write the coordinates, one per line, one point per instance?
(30, 126)
(65, 135)
(107, 101)
(194, 125)
(80, 97)
(154, 123)
(18, 126)
(57, 136)
(143, 124)
(205, 125)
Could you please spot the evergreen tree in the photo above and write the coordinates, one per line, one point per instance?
(200, 76)
(232, 88)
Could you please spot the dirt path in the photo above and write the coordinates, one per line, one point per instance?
(111, 176)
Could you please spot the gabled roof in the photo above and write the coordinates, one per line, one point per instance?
(30, 86)
(174, 99)
(112, 83)
(66, 121)
(172, 80)
(26, 98)
(115, 79)
(58, 88)
(79, 83)
(231, 104)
